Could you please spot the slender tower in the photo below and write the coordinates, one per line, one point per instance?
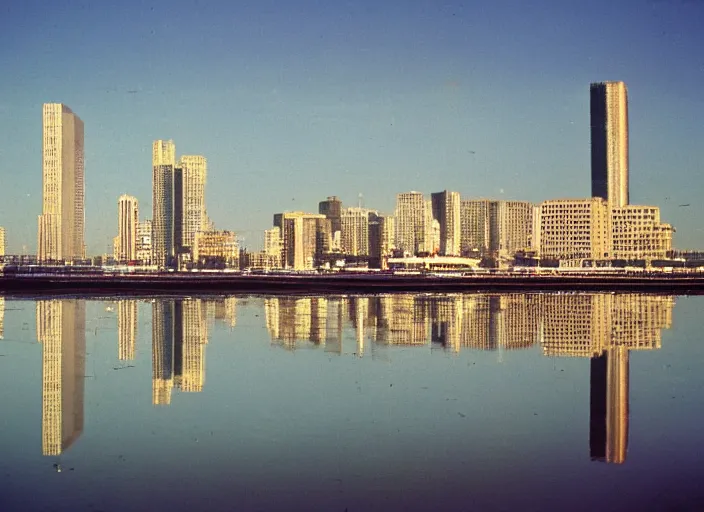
(61, 224)
(127, 221)
(163, 167)
(609, 138)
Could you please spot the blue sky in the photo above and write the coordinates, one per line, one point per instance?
(294, 101)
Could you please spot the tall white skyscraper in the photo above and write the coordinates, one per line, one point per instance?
(61, 224)
(609, 137)
(411, 222)
(127, 222)
(194, 169)
(163, 197)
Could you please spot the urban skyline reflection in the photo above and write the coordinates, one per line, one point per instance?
(601, 327)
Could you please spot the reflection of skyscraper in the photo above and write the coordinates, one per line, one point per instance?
(194, 338)
(2, 317)
(163, 326)
(61, 331)
(608, 406)
(126, 329)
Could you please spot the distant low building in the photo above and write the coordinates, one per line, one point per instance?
(220, 246)
(433, 263)
(260, 260)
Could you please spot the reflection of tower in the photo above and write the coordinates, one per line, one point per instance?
(126, 329)
(163, 327)
(191, 362)
(608, 406)
(61, 331)
(2, 317)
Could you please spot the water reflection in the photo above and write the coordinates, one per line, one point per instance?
(603, 328)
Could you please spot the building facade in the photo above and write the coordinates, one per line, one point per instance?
(411, 222)
(216, 245)
(637, 233)
(61, 224)
(144, 242)
(446, 210)
(474, 226)
(573, 229)
(609, 142)
(332, 209)
(515, 224)
(304, 238)
(163, 195)
(3, 242)
(354, 238)
(194, 170)
(127, 222)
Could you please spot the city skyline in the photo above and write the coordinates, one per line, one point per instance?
(362, 97)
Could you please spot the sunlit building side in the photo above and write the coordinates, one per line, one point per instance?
(573, 229)
(221, 246)
(411, 222)
(445, 208)
(144, 242)
(127, 223)
(2, 242)
(164, 190)
(194, 169)
(61, 224)
(609, 142)
(355, 231)
(637, 233)
(304, 238)
(61, 331)
(515, 223)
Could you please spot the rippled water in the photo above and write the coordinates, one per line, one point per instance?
(397, 402)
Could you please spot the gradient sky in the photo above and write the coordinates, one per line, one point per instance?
(294, 101)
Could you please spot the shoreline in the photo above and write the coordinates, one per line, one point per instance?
(325, 284)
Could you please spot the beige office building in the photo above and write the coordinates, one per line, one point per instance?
(194, 169)
(127, 222)
(474, 226)
(637, 233)
(221, 245)
(609, 142)
(515, 223)
(304, 237)
(61, 224)
(144, 242)
(573, 229)
(163, 166)
(411, 222)
(355, 231)
(273, 245)
(445, 208)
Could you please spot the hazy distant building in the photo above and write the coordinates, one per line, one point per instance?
(127, 222)
(411, 222)
(3, 242)
(446, 210)
(165, 192)
(637, 233)
(474, 226)
(573, 229)
(515, 223)
(304, 238)
(218, 246)
(126, 329)
(61, 224)
(355, 231)
(194, 173)
(332, 209)
(61, 329)
(609, 142)
(144, 241)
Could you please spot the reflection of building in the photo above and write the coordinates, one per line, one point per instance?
(179, 336)
(2, 317)
(126, 329)
(61, 331)
(61, 224)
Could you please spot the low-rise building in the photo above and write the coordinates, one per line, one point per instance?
(216, 245)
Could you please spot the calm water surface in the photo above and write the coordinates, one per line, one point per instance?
(398, 402)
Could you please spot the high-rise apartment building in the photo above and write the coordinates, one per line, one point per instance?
(163, 185)
(194, 169)
(332, 209)
(144, 242)
(127, 222)
(411, 222)
(609, 142)
(573, 229)
(355, 231)
(382, 232)
(446, 210)
(515, 223)
(474, 226)
(304, 238)
(3, 242)
(637, 233)
(61, 224)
